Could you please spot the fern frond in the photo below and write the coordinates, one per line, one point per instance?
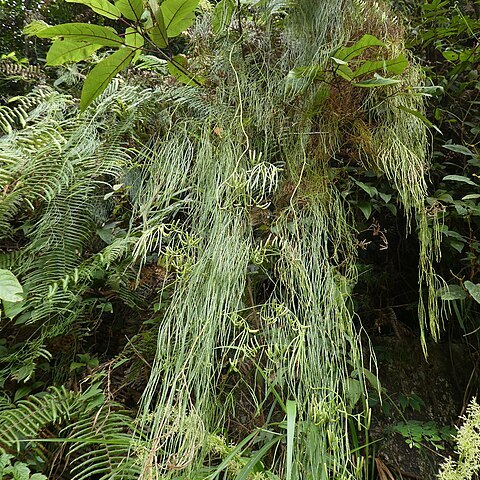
(25, 420)
(109, 435)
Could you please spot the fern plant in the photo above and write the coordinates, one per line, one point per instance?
(55, 169)
(96, 435)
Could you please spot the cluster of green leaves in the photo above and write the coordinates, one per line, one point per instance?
(347, 63)
(149, 27)
(418, 434)
(17, 470)
(445, 37)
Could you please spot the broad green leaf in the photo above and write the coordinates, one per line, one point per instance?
(130, 9)
(103, 7)
(452, 292)
(312, 72)
(430, 90)
(178, 15)
(458, 246)
(300, 78)
(222, 16)
(291, 421)
(64, 51)
(345, 72)
(354, 391)
(10, 288)
(450, 55)
(378, 81)
(459, 149)
(386, 197)
(83, 32)
(158, 33)
(471, 196)
(100, 76)
(395, 66)
(133, 38)
(366, 208)
(423, 118)
(20, 471)
(460, 178)
(370, 189)
(157, 36)
(178, 68)
(347, 53)
(473, 290)
(34, 27)
(13, 309)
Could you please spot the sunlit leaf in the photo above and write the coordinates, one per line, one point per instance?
(158, 33)
(103, 7)
(10, 288)
(133, 38)
(100, 76)
(338, 61)
(378, 81)
(395, 66)
(452, 292)
(64, 51)
(178, 15)
(34, 27)
(83, 32)
(291, 422)
(130, 9)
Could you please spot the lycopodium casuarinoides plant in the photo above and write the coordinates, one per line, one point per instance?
(233, 197)
(299, 332)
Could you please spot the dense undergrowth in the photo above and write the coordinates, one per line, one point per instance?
(190, 254)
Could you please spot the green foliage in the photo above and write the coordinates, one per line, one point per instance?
(444, 35)
(17, 471)
(98, 437)
(178, 15)
(468, 445)
(102, 7)
(10, 288)
(83, 32)
(64, 51)
(101, 75)
(347, 66)
(78, 41)
(418, 434)
(222, 16)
